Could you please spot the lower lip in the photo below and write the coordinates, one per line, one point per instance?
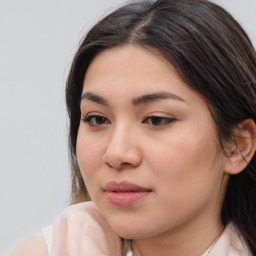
(125, 198)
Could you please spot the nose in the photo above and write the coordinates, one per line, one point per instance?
(122, 151)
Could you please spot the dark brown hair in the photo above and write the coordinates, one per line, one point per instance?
(211, 53)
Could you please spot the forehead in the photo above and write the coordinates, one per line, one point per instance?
(121, 57)
(132, 70)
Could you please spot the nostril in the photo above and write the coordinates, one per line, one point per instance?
(125, 164)
(122, 165)
(109, 165)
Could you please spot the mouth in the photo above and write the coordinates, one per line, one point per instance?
(124, 193)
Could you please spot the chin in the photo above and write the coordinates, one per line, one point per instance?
(131, 231)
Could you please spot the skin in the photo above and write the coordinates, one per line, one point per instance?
(176, 156)
(35, 245)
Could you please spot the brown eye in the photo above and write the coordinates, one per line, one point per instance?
(158, 120)
(96, 120)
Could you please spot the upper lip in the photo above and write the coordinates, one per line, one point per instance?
(124, 186)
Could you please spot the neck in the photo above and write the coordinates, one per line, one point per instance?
(188, 239)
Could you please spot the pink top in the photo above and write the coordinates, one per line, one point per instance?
(230, 243)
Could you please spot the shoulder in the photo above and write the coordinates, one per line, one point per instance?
(35, 245)
(230, 243)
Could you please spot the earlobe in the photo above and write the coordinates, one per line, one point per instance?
(244, 147)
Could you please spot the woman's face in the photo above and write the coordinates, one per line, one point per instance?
(147, 145)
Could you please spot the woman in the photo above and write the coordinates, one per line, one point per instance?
(162, 104)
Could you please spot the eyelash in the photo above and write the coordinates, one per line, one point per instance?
(157, 121)
(91, 120)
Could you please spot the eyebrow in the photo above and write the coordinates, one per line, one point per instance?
(95, 98)
(144, 99)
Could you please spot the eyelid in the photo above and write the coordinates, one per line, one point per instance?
(167, 119)
(90, 114)
(160, 114)
(89, 117)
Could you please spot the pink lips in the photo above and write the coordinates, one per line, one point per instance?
(124, 193)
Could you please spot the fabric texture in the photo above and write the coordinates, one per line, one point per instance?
(230, 243)
(47, 234)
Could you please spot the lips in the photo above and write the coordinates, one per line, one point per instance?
(124, 187)
(124, 193)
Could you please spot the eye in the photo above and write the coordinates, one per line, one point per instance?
(96, 120)
(158, 120)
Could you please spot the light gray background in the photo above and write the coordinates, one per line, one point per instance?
(37, 42)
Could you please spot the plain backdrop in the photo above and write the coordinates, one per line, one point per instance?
(37, 42)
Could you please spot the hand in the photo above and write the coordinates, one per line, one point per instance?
(81, 231)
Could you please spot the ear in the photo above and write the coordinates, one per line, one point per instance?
(243, 149)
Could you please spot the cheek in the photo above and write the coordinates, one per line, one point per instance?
(185, 166)
(181, 155)
(88, 155)
(186, 179)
